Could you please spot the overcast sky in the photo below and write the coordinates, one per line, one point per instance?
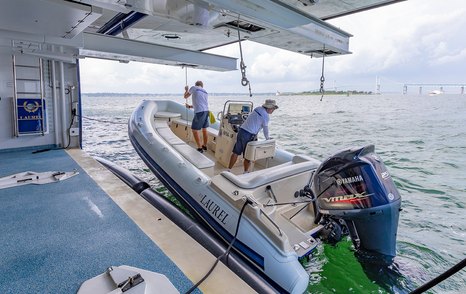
(416, 41)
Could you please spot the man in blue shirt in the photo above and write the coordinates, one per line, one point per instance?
(257, 120)
(201, 113)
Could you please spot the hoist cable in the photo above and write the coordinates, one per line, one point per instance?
(322, 77)
(186, 83)
(244, 80)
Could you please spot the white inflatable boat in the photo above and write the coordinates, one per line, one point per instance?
(274, 213)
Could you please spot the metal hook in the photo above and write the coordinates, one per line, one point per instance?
(242, 66)
(322, 77)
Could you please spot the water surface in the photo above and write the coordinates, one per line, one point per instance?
(422, 140)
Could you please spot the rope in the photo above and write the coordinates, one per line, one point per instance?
(288, 203)
(242, 65)
(186, 83)
(453, 270)
(101, 120)
(225, 254)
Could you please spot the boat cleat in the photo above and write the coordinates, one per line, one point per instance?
(304, 248)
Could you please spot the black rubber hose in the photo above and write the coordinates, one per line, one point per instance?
(234, 262)
(225, 254)
(453, 270)
(123, 174)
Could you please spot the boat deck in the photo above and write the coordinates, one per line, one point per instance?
(56, 236)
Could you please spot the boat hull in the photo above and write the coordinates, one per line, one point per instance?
(193, 187)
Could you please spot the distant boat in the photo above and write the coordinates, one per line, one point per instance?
(435, 92)
(277, 93)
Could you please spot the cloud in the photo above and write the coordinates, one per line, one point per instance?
(414, 40)
(459, 57)
(111, 76)
(404, 40)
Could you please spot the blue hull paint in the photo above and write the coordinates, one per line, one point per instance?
(195, 207)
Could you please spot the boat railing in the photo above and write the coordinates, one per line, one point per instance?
(271, 221)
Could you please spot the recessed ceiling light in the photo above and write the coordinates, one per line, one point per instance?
(171, 36)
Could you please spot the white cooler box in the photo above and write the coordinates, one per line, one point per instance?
(256, 150)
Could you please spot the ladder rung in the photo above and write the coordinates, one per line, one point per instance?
(30, 80)
(28, 93)
(24, 78)
(27, 66)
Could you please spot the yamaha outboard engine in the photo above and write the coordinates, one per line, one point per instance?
(355, 190)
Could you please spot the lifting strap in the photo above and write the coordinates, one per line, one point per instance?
(30, 177)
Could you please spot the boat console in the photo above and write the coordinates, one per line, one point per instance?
(233, 115)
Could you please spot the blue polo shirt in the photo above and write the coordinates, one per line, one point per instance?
(257, 120)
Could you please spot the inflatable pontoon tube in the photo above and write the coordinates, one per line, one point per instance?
(217, 247)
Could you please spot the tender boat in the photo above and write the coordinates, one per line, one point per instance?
(274, 215)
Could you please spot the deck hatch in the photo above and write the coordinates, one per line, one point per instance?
(242, 25)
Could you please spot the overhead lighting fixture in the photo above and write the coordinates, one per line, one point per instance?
(308, 2)
(242, 25)
(171, 36)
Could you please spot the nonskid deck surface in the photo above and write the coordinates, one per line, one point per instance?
(56, 236)
(296, 220)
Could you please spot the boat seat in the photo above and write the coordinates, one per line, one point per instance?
(192, 155)
(212, 131)
(168, 135)
(302, 158)
(160, 123)
(195, 157)
(166, 115)
(181, 121)
(162, 118)
(262, 177)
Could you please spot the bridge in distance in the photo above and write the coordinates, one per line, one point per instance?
(440, 87)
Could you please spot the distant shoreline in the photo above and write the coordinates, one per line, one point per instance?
(350, 92)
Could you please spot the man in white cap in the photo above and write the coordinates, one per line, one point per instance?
(257, 120)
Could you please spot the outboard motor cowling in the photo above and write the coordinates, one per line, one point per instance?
(355, 186)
